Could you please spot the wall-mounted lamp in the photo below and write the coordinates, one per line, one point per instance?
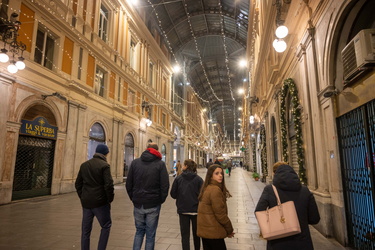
(279, 45)
(281, 31)
(8, 35)
(176, 69)
(146, 106)
(148, 122)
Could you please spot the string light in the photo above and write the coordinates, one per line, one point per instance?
(41, 21)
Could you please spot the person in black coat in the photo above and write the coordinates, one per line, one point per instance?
(94, 185)
(185, 189)
(290, 189)
(147, 185)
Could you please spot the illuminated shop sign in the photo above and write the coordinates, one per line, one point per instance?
(38, 127)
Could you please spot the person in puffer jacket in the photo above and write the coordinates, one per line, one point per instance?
(147, 185)
(213, 223)
(185, 189)
(290, 188)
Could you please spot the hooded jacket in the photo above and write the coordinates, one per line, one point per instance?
(290, 189)
(147, 182)
(185, 189)
(94, 183)
(213, 221)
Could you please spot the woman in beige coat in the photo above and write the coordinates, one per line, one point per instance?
(213, 224)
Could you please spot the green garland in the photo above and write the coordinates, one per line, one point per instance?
(254, 154)
(289, 86)
(263, 151)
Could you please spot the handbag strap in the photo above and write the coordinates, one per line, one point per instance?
(277, 195)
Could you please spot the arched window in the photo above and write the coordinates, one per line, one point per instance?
(96, 137)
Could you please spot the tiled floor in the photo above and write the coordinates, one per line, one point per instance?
(53, 222)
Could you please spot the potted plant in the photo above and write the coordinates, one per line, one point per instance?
(256, 176)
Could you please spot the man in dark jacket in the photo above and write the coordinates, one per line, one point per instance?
(147, 185)
(290, 189)
(94, 185)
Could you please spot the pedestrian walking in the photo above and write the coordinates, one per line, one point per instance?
(185, 189)
(147, 185)
(289, 188)
(209, 163)
(178, 168)
(229, 166)
(213, 222)
(94, 185)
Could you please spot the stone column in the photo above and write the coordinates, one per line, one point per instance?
(9, 161)
(75, 149)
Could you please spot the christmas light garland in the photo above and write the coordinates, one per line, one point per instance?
(289, 86)
(263, 156)
(253, 148)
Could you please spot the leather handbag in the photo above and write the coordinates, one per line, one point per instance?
(279, 221)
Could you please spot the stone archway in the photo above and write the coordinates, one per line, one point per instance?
(33, 170)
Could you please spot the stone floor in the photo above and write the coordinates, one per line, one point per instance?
(53, 222)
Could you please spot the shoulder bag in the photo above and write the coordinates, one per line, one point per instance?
(280, 221)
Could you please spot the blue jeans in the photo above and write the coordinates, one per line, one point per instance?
(146, 222)
(103, 215)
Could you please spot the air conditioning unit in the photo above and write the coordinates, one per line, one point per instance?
(359, 54)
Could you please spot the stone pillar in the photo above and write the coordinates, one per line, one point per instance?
(74, 151)
(117, 151)
(58, 163)
(9, 161)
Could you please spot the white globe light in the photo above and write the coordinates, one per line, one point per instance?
(4, 57)
(12, 68)
(20, 65)
(176, 68)
(279, 45)
(281, 31)
(252, 119)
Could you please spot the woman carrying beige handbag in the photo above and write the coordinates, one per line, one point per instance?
(289, 188)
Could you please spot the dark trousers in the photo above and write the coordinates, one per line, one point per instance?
(229, 170)
(185, 231)
(214, 244)
(103, 215)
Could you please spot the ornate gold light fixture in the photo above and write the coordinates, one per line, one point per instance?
(12, 51)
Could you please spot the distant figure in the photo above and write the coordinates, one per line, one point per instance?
(213, 222)
(185, 190)
(209, 163)
(217, 162)
(290, 189)
(241, 164)
(229, 166)
(94, 185)
(147, 186)
(178, 168)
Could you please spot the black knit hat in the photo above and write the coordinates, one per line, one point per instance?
(102, 149)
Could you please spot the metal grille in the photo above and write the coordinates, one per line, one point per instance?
(356, 134)
(33, 170)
